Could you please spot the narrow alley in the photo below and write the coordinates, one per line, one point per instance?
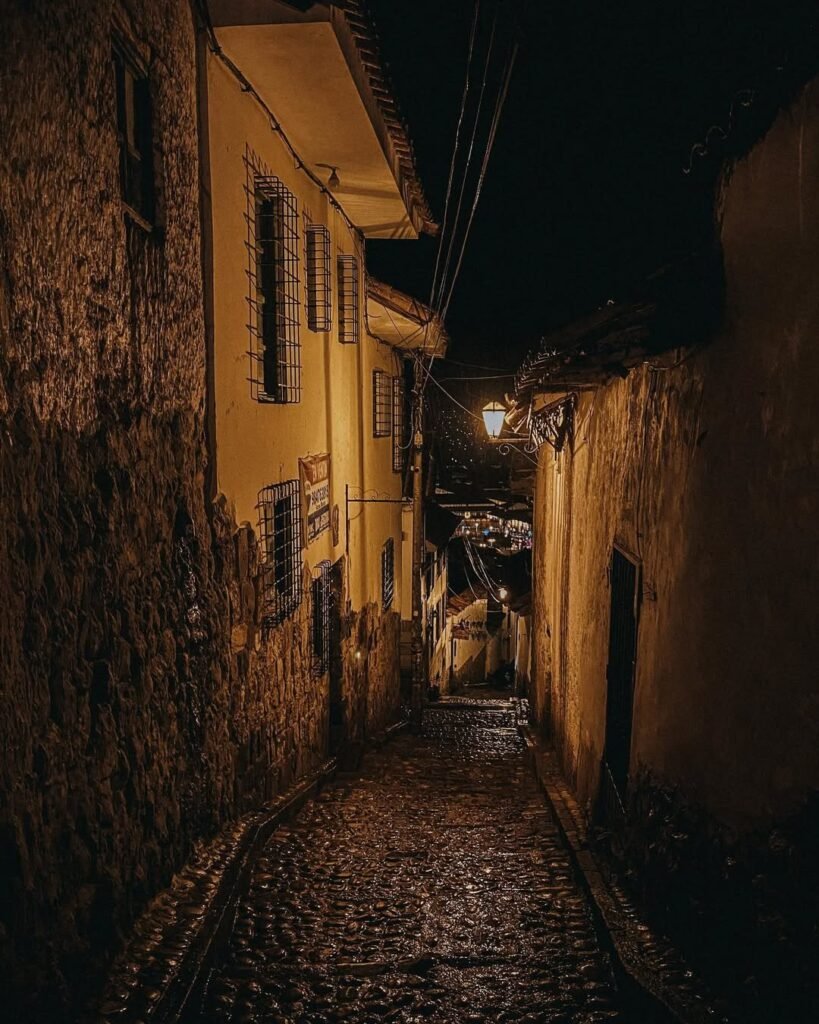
(409, 511)
(433, 884)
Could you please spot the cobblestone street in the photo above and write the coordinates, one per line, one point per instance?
(433, 885)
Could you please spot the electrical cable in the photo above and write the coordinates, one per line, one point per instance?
(485, 163)
(496, 376)
(455, 150)
(435, 299)
(442, 310)
(248, 87)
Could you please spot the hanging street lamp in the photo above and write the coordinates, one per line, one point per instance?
(494, 414)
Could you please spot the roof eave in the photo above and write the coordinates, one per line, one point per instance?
(359, 43)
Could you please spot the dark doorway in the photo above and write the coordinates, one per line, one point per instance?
(624, 577)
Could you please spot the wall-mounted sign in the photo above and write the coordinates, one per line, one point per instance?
(314, 472)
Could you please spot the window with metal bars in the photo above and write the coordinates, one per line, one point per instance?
(280, 544)
(382, 404)
(273, 270)
(317, 261)
(134, 131)
(348, 311)
(387, 573)
(322, 596)
(399, 440)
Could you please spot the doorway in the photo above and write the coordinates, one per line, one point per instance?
(624, 577)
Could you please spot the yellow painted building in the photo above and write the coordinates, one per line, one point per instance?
(305, 160)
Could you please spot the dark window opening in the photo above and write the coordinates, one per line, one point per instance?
(387, 574)
(322, 598)
(274, 294)
(280, 544)
(399, 439)
(135, 136)
(382, 404)
(319, 307)
(348, 312)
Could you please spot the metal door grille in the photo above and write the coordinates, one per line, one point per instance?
(387, 573)
(319, 307)
(382, 404)
(322, 598)
(399, 441)
(348, 302)
(620, 672)
(280, 544)
(273, 271)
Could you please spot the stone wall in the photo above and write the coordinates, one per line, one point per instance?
(141, 708)
(704, 469)
(370, 688)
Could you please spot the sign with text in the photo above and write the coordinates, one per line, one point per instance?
(314, 473)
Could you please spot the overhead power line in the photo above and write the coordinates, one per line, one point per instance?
(455, 152)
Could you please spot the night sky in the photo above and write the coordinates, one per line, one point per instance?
(586, 192)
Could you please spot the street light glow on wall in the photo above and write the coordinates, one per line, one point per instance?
(494, 413)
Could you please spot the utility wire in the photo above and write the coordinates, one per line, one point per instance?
(494, 376)
(435, 301)
(455, 151)
(248, 87)
(485, 163)
(499, 104)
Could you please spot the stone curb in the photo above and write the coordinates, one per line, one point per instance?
(183, 990)
(645, 959)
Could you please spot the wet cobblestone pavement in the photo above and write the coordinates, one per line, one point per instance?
(431, 886)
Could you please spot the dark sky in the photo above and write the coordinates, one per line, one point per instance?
(585, 192)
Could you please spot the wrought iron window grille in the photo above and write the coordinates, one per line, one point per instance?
(135, 133)
(280, 545)
(273, 298)
(382, 404)
(387, 574)
(322, 597)
(399, 439)
(349, 330)
(317, 263)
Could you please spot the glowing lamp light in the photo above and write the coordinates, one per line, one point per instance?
(493, 416)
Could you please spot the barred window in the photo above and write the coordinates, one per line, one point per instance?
(280, 544)
(399, 440)
(322, 595)
(387, 573)
(382, 404)
(348, 312)
(135, 134)
(319, 309)
(274, 292)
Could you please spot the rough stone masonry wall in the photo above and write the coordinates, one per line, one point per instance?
(707, 471)
(140, 708)
(371, 682)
